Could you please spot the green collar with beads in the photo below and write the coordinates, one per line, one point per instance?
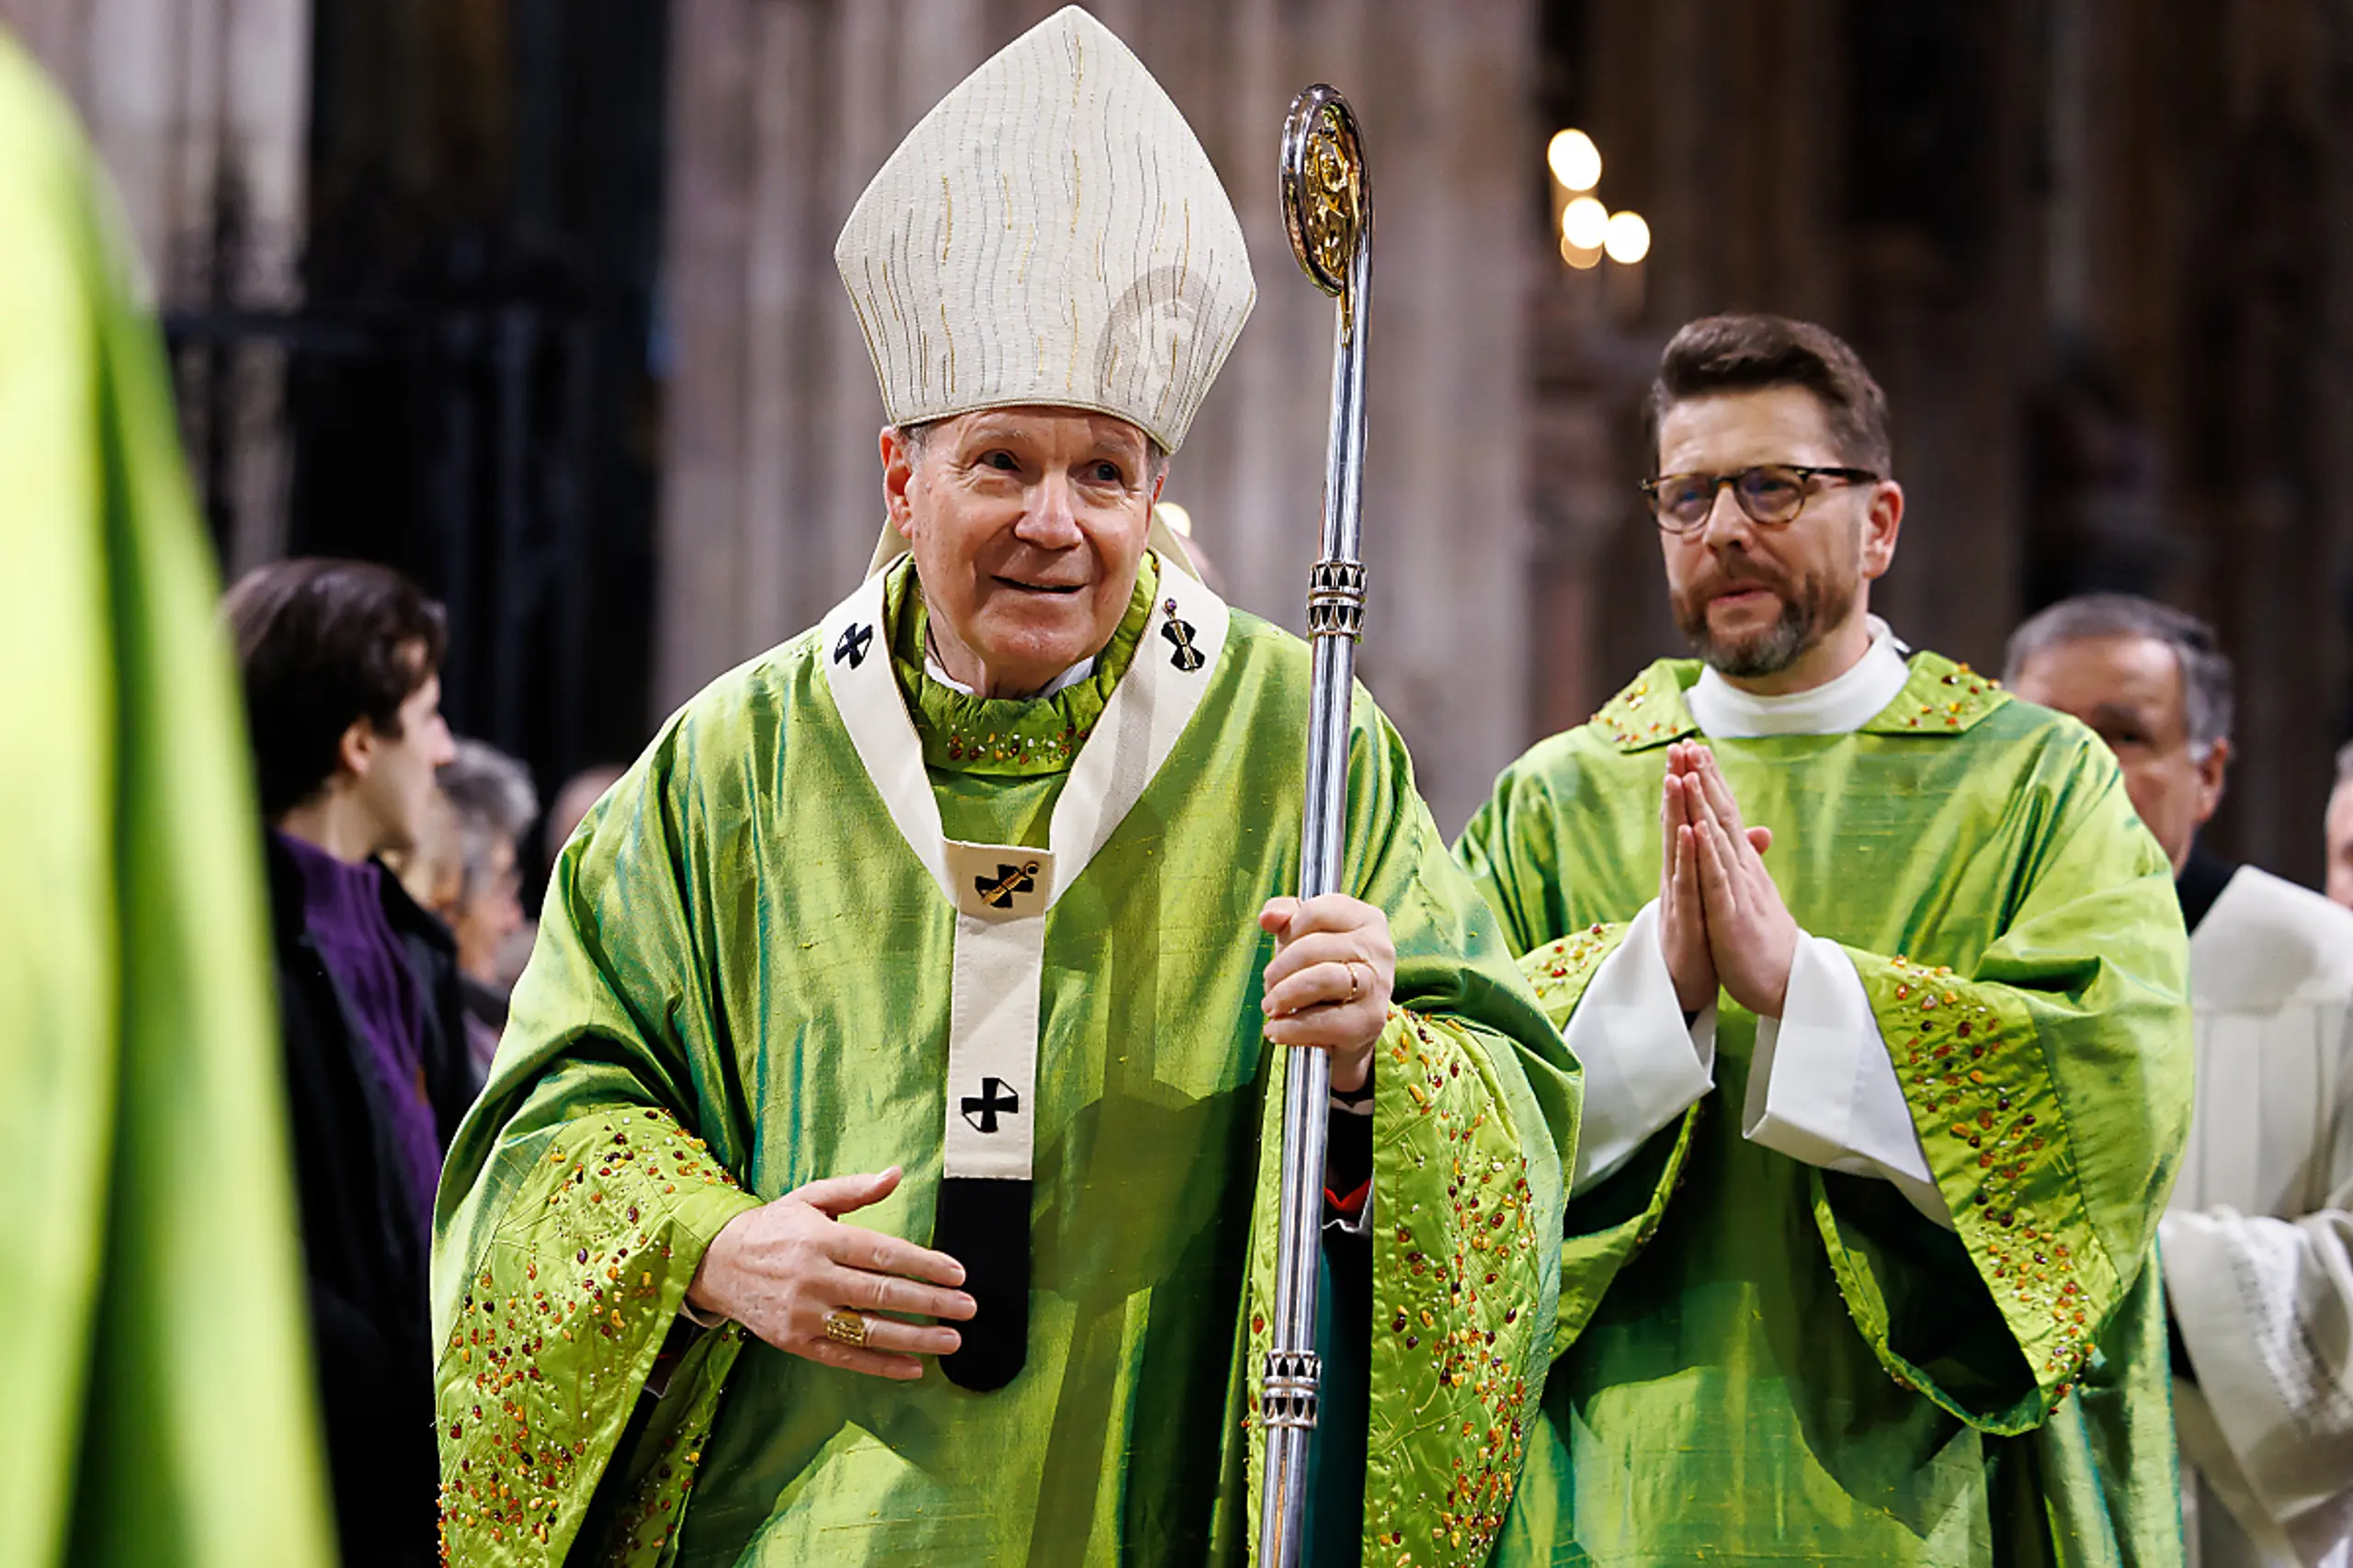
(1000, 735)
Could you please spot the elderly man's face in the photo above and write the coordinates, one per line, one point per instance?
(1026, 526)
(2129, 690)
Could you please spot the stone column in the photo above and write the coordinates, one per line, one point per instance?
(783, 108)
(200, 111)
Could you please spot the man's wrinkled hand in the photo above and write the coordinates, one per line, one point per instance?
(1329, 983)
(783, 1268)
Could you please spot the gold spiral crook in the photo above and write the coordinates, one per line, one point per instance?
(1327, 202)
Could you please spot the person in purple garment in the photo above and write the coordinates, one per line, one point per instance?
(340, 662)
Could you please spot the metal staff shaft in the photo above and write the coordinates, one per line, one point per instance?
(1327, 207)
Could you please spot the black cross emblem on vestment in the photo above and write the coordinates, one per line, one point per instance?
(998, 894)
(852, 645)
(1186, 657)
(981, 1109)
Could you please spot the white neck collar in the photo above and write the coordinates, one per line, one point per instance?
(1069, 677)
(1835, 708)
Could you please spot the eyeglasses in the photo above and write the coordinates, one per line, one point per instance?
(1770, 494)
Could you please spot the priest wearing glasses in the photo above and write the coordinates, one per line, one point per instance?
(1877, 983)
(881, 1163)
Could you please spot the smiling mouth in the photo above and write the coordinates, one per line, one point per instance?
(1063, 589)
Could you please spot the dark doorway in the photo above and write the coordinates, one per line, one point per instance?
(472, 387)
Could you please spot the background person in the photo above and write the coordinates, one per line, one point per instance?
(2337, 831)
(492, 805)
(339, 662)
(573, 799)
(2257, 1242)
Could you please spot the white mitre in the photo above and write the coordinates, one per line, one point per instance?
(1050, 233)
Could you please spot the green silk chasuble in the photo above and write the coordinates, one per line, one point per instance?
(1796, 1365)
(155, 1395)
(742, 985)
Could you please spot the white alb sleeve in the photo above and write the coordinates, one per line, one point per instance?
(1822, 1087)
(1643, 1066)
(2266, 1308)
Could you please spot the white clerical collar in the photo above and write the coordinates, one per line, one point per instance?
(1069, 677)
(1835, 708)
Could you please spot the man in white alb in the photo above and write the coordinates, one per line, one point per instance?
(2258, 1244)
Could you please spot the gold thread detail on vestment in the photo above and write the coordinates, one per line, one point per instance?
(1959, 1062)
(948, 333)
(580, 1275)
(1451, 1280)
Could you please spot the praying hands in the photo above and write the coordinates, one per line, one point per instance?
(1722, 921)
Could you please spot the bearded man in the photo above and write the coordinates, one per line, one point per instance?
(954, 914)
(1907, 937)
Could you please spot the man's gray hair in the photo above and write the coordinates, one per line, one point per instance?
(2206, 676)
(491, 795)
(2344, 765)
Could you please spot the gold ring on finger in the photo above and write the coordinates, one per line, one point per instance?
(1356, 987)
(845, 1328)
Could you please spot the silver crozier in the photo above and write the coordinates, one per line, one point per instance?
(1327, 207)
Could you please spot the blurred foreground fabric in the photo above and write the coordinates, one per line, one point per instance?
(155, 1389)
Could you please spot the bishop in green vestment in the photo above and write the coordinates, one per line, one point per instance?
(880, 1162)
(155, 1397)
(1878, 984)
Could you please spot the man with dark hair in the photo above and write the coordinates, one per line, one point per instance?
(2259, 1243)
(1892, 1302)
(340, 662)
(1748, 353)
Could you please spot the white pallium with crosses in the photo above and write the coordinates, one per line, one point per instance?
(1004, 892)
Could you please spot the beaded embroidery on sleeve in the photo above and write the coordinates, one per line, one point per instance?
(595, 1251)
(1988, 1116)
(1458, 1282)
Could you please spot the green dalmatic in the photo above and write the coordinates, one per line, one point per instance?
(741, 983)
(1764, 1361)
